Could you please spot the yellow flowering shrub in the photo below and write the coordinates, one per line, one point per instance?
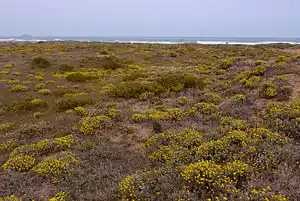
(61, 196)
(211, 176)
(19, 163)
(81, 111)
(239, 99)
(166, 114)
(18, 88)
(46, 146)
(57, 165)
(172, 147)
(39, 86)
(6, 127)
(39, 78)
(45, 91)
(8, 145)
(229, 123)
(10, 198)
(112, 112)
(208, 111)
(139, 117)
(88, 125)
(212, 98)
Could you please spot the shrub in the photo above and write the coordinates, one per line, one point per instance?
(173, 147)
(56, 166)
(79, 77)
(39, 78)
(210, 176)
(8, 145)
(167, 114)
(81, 111)
(134, 89)
(88, 125)
(62, 92)
(258, 62)
(8, 65)
(5, 127)
(18, 88)
(45, 91)
(40, 62)
(66, 68)
(139, 117)
(132, 76)
(212, 97)
(179, 81)
(4, 72)
(253, 82)
(34, 129)
(19, 163)
(61, 196)
(226, 63)
(112, 62)
(70, 101)
(39, 86)
(281, 59)
(46, 146)
(239, 99)
(208, 111)
(28, 104)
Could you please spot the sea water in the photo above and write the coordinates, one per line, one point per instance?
(164, 40)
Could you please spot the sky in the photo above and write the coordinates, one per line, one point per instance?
(152, 18)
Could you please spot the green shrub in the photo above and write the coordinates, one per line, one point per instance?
(62, 92)
(18, 88)
(79, 77)
(132, 76)
(212, 97)
(239, 99)
(40, 62)
(28, 104)
(66, 68)
(112, 62)
(39, 86)
(227, 63)
(71, 101)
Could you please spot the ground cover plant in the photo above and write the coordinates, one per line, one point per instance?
(111, 121)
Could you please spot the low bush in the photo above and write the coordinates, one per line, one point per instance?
(88, 125)
(18, 88)
(112, 62)
(57, 166)
(79, 77)
(66, 68)
(28, 104)
(40, 62)
(71, 101)
(19, 163)
(45, 91)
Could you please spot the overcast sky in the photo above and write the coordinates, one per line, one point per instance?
(200, 18)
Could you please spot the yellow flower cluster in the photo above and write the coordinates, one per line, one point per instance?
(45, 91)
(56, 165)
(10, 198)
(18, 88)
(173, 147)
(208, 110)
(81, 111)
(19, 163)
(209, 175)
(46, 146)
(6, 126)
(8, 145)
(61, 196)
(90, 124)
(212, 98)
(166, 114)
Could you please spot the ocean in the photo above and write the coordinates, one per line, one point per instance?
(164, 40)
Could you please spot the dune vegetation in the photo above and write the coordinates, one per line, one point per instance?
(138, 122)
